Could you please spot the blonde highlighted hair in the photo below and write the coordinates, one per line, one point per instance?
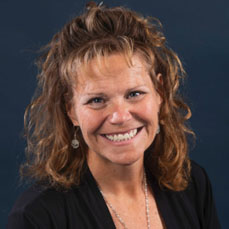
(101, 31)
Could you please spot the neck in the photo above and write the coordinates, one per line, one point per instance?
(114, 179)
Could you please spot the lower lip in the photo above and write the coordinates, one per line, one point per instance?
(125, 142)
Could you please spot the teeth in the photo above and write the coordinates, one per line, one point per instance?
(122, 137)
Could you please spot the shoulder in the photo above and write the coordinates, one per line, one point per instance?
(39, 207)
(200, 193)
(37, 197)
(199, 176)
(199, 182)
(197, 171)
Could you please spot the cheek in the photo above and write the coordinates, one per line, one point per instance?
(149, 111)
(89, 122)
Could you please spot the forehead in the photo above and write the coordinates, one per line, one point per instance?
(112, 68)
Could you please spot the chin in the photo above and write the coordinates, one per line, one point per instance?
(126, 161)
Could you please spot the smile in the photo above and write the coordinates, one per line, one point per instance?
(122, 137)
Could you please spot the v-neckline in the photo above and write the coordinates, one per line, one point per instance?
(103, 209)
(161, 201)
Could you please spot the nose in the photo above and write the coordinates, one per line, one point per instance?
(120, 114)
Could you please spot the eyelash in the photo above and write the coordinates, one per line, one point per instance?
(135, 92)
(94, 101)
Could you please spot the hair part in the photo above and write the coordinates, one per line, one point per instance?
(100, 32)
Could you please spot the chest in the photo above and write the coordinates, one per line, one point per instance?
(137, 221)
(137, 215)
(166, 212)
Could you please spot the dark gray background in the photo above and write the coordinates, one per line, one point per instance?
(197, 30)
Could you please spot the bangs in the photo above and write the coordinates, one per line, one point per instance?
(97, 50)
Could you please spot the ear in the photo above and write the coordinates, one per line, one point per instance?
(72, 114)
(159, 78)
(160, 82)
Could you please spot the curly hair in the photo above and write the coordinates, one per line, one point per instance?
(101, 31)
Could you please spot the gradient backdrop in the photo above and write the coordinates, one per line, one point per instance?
(197, 30)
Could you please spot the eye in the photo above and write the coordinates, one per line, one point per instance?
(135, 94)
(96, 103)
(96, 100)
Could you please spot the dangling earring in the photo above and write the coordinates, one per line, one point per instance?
(158, 129)
(75, 143)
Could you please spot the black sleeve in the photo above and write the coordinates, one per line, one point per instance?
(20, 220)
(205, 201)
(210, 213)
(30, 218)
(35, 209)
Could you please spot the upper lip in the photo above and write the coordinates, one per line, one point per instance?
(121, 131)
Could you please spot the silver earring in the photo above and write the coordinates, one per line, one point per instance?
(75, 143)
(158, 129)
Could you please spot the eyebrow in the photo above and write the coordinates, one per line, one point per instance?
(103, 94)
(95, 94)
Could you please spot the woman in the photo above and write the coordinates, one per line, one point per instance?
(106, 132)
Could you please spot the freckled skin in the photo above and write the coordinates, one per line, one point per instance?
(124, 98)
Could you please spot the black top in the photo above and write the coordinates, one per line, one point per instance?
(84, 206)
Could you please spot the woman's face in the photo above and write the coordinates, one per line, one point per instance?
(116, 107)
